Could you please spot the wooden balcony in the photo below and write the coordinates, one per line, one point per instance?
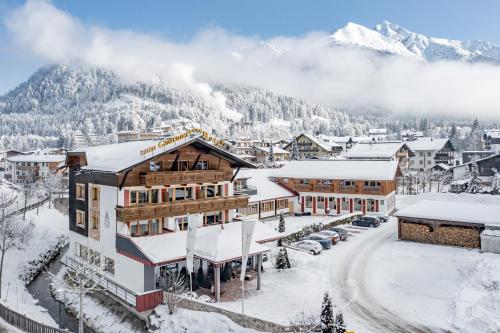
(150, 211)
(372, 190)
(347, 189)
(185, 177)
(323, 188)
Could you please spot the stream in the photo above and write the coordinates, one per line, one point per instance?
(40, 290)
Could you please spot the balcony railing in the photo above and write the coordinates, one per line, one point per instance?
(372, 189)
(323, 188)
(150, 211)
(347, 189)
(185, 177)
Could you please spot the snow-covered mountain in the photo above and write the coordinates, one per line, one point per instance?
(389, 38)
(59, 99)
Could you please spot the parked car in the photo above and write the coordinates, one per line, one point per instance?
(334, 236)
(366, 221)
(310, 246)
(342, 233)
(325, 241)
(381, 216)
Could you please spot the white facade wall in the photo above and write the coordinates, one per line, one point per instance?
(423, 159)
(387, 204)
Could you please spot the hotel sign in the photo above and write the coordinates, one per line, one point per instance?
(174, 139)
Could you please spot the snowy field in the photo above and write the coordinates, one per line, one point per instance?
(382, 284)
(48, 226)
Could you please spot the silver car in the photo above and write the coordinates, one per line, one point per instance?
(310, 246)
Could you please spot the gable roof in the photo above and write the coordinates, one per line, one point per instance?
(377, 149)
(266, 188)
(325, 145)
(339, 169)
(39, 158)
(276, 150)
(118, 157)
(427, 144)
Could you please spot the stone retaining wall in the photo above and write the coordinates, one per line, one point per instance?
(242, 320)
(443, 235)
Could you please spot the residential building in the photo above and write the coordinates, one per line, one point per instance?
(486, 166)
(341, 186)
(309, 146)
(381, 150)
(431, 151)
(261, 154)
(267, 198)
(130, 204)
(26, 168)
(472, 155)
(491, 140)
(410, 135)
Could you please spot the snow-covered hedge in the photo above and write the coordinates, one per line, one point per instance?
(315, 227)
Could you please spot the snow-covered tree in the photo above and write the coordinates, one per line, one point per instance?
(295, 150)
(340, 326)
(14, 231)
(495, 183)
(281, 224)
(475, 185)
(29, 189)
(304, 323)
(82, 278)
(270, 157)
(282, 260)
(175, 284)
(327, 318)
(52, 183)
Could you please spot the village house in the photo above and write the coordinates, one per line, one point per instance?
(341, 186)
(130, 204)
(21, 169)
(267, 198)
(381, 150)
(473, 155)
(491, 140)
(431, 151)
(487, 167)
(261, 154)
(309, 147)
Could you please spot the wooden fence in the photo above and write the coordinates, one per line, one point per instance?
(26, 324)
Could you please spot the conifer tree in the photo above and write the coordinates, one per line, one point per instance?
(339, 323)
(295, 150)
(270, 157)
(326, 317)
(281, 225)
(495, 184)
(475, 185)
(282, 261)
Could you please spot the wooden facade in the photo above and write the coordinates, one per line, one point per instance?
(339, 186)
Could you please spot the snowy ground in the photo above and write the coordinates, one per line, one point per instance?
(382, 284)
(48, 225)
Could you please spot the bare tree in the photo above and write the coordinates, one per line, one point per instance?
(304, 323)
(14, 231)
(51, 184)
(28, 190)
(82, 278)
(174, 284)
(39, 193)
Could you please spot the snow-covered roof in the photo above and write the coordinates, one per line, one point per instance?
(40, 158)
(376, 149)
(325, 145)
(442, 166)
(212, 243)
(339, 169)
(427, 144)
(362, 138)
(266, 188)
(457, 211)
(377, 131)
(120, 156)
(276, 150)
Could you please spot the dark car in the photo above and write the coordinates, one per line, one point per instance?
(366, 221)
(342, 233)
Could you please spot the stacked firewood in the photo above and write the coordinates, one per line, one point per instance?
(444, 235)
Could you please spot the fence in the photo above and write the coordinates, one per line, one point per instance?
(26, 324)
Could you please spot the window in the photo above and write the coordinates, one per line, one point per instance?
(95, 193)
(82, 251)
(212, 191)
(421, 154)
(154, 226)
(429, 161)
(285, 180)
(282, 203)
(345, 204)
(332, 203)
(372, 183)
(183, 193)
(183, 165)
(80, 219)
(133, 229)
(421, 162)
(347, 183)
(267, 206)
(95, 222)
(321, 202)
(154, 166)
(201, 165)
(154, 196)
(94, 258)
(80, 191)
(139, 197)
(213, 218)
(308, 202)
(252, 209)
(182, 222)
(109, 265)
(429, 154)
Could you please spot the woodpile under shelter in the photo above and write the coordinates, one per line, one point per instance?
(454, 223)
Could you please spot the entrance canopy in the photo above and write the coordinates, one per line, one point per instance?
(216, 244)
